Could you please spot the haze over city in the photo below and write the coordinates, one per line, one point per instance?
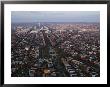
(55, 16)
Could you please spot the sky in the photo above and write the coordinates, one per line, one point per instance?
(55, 16)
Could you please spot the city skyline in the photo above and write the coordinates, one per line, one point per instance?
(55, 16)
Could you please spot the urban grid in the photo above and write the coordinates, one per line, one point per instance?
(55, 49)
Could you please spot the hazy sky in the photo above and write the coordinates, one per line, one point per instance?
(55, 16)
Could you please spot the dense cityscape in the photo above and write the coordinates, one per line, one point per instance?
(55, 49)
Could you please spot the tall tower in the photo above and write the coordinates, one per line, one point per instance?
(39, 24)
(35, 28)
